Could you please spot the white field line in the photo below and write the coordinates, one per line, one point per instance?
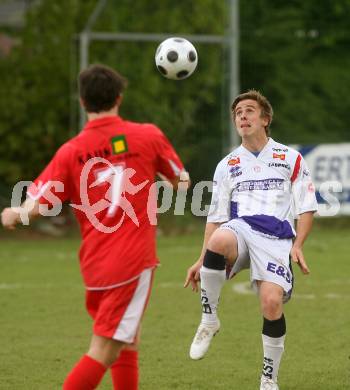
(242, 288)
(245, 289)
(18, 286)
(9, 286)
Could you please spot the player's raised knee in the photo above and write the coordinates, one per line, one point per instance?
(223, 242)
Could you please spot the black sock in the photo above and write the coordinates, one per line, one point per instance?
(213, 260)
(274, 328)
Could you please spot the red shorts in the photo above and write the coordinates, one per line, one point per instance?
(117, 312)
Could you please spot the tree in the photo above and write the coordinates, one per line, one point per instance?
(37, 91)
(295, 52)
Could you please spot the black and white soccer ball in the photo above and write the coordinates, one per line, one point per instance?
(176, 58)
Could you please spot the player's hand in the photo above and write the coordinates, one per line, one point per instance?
(298, 257)
(9, 218)
(193, 276)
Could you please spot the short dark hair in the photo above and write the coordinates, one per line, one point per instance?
(99, 87)
(264, 104)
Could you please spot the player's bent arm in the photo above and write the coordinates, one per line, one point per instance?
(210, 228)
(303, 228)
(11, 216)
(192, 276)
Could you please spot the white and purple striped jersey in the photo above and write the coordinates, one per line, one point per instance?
(267, 191)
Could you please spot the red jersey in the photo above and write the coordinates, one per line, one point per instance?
(108, 174)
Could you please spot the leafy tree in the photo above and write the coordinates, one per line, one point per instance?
(35, 89)
(295, 52)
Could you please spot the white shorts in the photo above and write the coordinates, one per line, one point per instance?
(266, 256)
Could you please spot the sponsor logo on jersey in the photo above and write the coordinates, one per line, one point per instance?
(119, 144)
(103, 153)
(235, 171)
(234, 161)
(264, 185)
(279, 165)
(281, 156)
(306, 173)
(280, 150)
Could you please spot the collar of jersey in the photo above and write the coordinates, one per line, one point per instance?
(108, 120)
(269, 143)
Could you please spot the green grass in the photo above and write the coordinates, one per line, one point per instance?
(45, 329)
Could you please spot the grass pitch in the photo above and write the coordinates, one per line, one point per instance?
(45, 329)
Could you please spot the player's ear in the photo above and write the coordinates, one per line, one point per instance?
(81, 101)
(266, 121)
(119, 100)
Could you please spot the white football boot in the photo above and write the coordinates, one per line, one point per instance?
(268, 384)
(202, 339)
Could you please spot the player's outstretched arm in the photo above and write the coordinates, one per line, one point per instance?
(181, 182)
(304, 225)
(192, 276)
(11, 216)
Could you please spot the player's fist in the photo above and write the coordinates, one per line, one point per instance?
(10, 218)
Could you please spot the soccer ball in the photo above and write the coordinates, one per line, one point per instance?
(176, 58)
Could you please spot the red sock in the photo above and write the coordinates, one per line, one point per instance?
(125, 371)
(86, 375)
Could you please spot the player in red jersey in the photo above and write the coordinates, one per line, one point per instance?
(107, 172)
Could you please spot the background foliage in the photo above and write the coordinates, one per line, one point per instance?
(294, 52)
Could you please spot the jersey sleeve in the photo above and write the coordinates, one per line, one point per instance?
(52, 186)
(168, 162)
(219, 210)
(303, 189)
